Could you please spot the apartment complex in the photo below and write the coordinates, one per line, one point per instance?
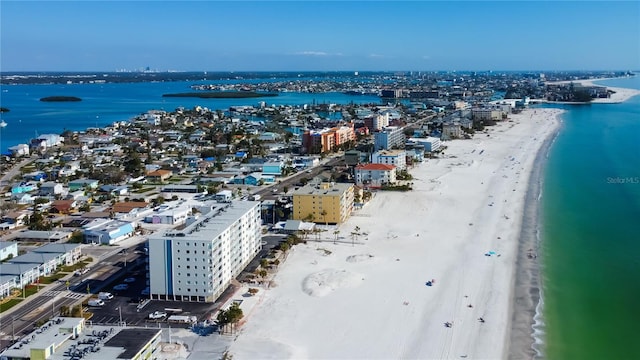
(397, 158)
(197, 263)
(326, 202)
(321, 141)
(389, 137)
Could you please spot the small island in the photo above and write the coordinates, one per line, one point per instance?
(60, 98)
(222, 94)
(3, 109)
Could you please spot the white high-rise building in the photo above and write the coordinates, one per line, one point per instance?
(198, 262)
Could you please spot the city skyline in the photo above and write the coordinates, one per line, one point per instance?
(319, 36)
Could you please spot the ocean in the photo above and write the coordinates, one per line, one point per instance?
(104, 104)
(590, 238)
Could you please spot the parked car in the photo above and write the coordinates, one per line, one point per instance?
(145, 291)
(95, 302)
(130, 280)
(157, 315)
(121, 287)
(105, 296)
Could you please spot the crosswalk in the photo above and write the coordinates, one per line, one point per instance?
(67, 294)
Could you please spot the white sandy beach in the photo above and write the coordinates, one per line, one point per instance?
(370, 301)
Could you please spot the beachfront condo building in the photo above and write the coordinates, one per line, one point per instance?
(389, 137)
(197, 263)
(397, 158)
(325, 202)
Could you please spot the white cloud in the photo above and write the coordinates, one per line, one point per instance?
(377, 56)
(426, 57)
(316, 53)
(311, 53)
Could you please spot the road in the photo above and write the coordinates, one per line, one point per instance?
(15, 170)
(269, 194)
(46, 304)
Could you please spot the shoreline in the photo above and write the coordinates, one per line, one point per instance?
(458, 226)
(621, 94)
(527, 287)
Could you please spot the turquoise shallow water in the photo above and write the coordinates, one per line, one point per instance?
(591, 237)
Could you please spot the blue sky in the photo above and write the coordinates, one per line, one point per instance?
(319, 35)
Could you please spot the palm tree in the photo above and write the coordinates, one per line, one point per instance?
(335, 233)
(324, 216)
(354, 235)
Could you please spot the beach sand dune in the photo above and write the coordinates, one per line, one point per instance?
(459, 226)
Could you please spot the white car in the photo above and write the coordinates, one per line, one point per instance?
(121, 287)
(105, 296)
(157, 315)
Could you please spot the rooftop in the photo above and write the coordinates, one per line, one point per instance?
(212, 223)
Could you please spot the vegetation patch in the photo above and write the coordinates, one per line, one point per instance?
(143, 190)
(396, 188)
(8, 304)
(60, 98)
(223, 94)
(52, 278)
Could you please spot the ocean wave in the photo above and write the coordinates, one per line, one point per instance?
(539, 330)
(539, 327)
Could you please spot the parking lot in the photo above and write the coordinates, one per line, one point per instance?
(130, 307)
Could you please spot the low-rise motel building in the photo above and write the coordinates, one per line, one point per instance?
(375, 175)
(72, 338)
(198, 262)
(327, 202)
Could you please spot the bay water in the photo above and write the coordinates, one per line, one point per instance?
(104, 104)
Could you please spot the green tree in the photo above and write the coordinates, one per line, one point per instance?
(234, 315)
(264, 263)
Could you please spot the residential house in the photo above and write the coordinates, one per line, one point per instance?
(19, 150)
(82, 184)
(273, 168)
(23, 199)
(63, 206)
(115, 190)
(253, 179)
(129, 207)
(51, 188)
(159, 175)
(23, 187)
(8, 249)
